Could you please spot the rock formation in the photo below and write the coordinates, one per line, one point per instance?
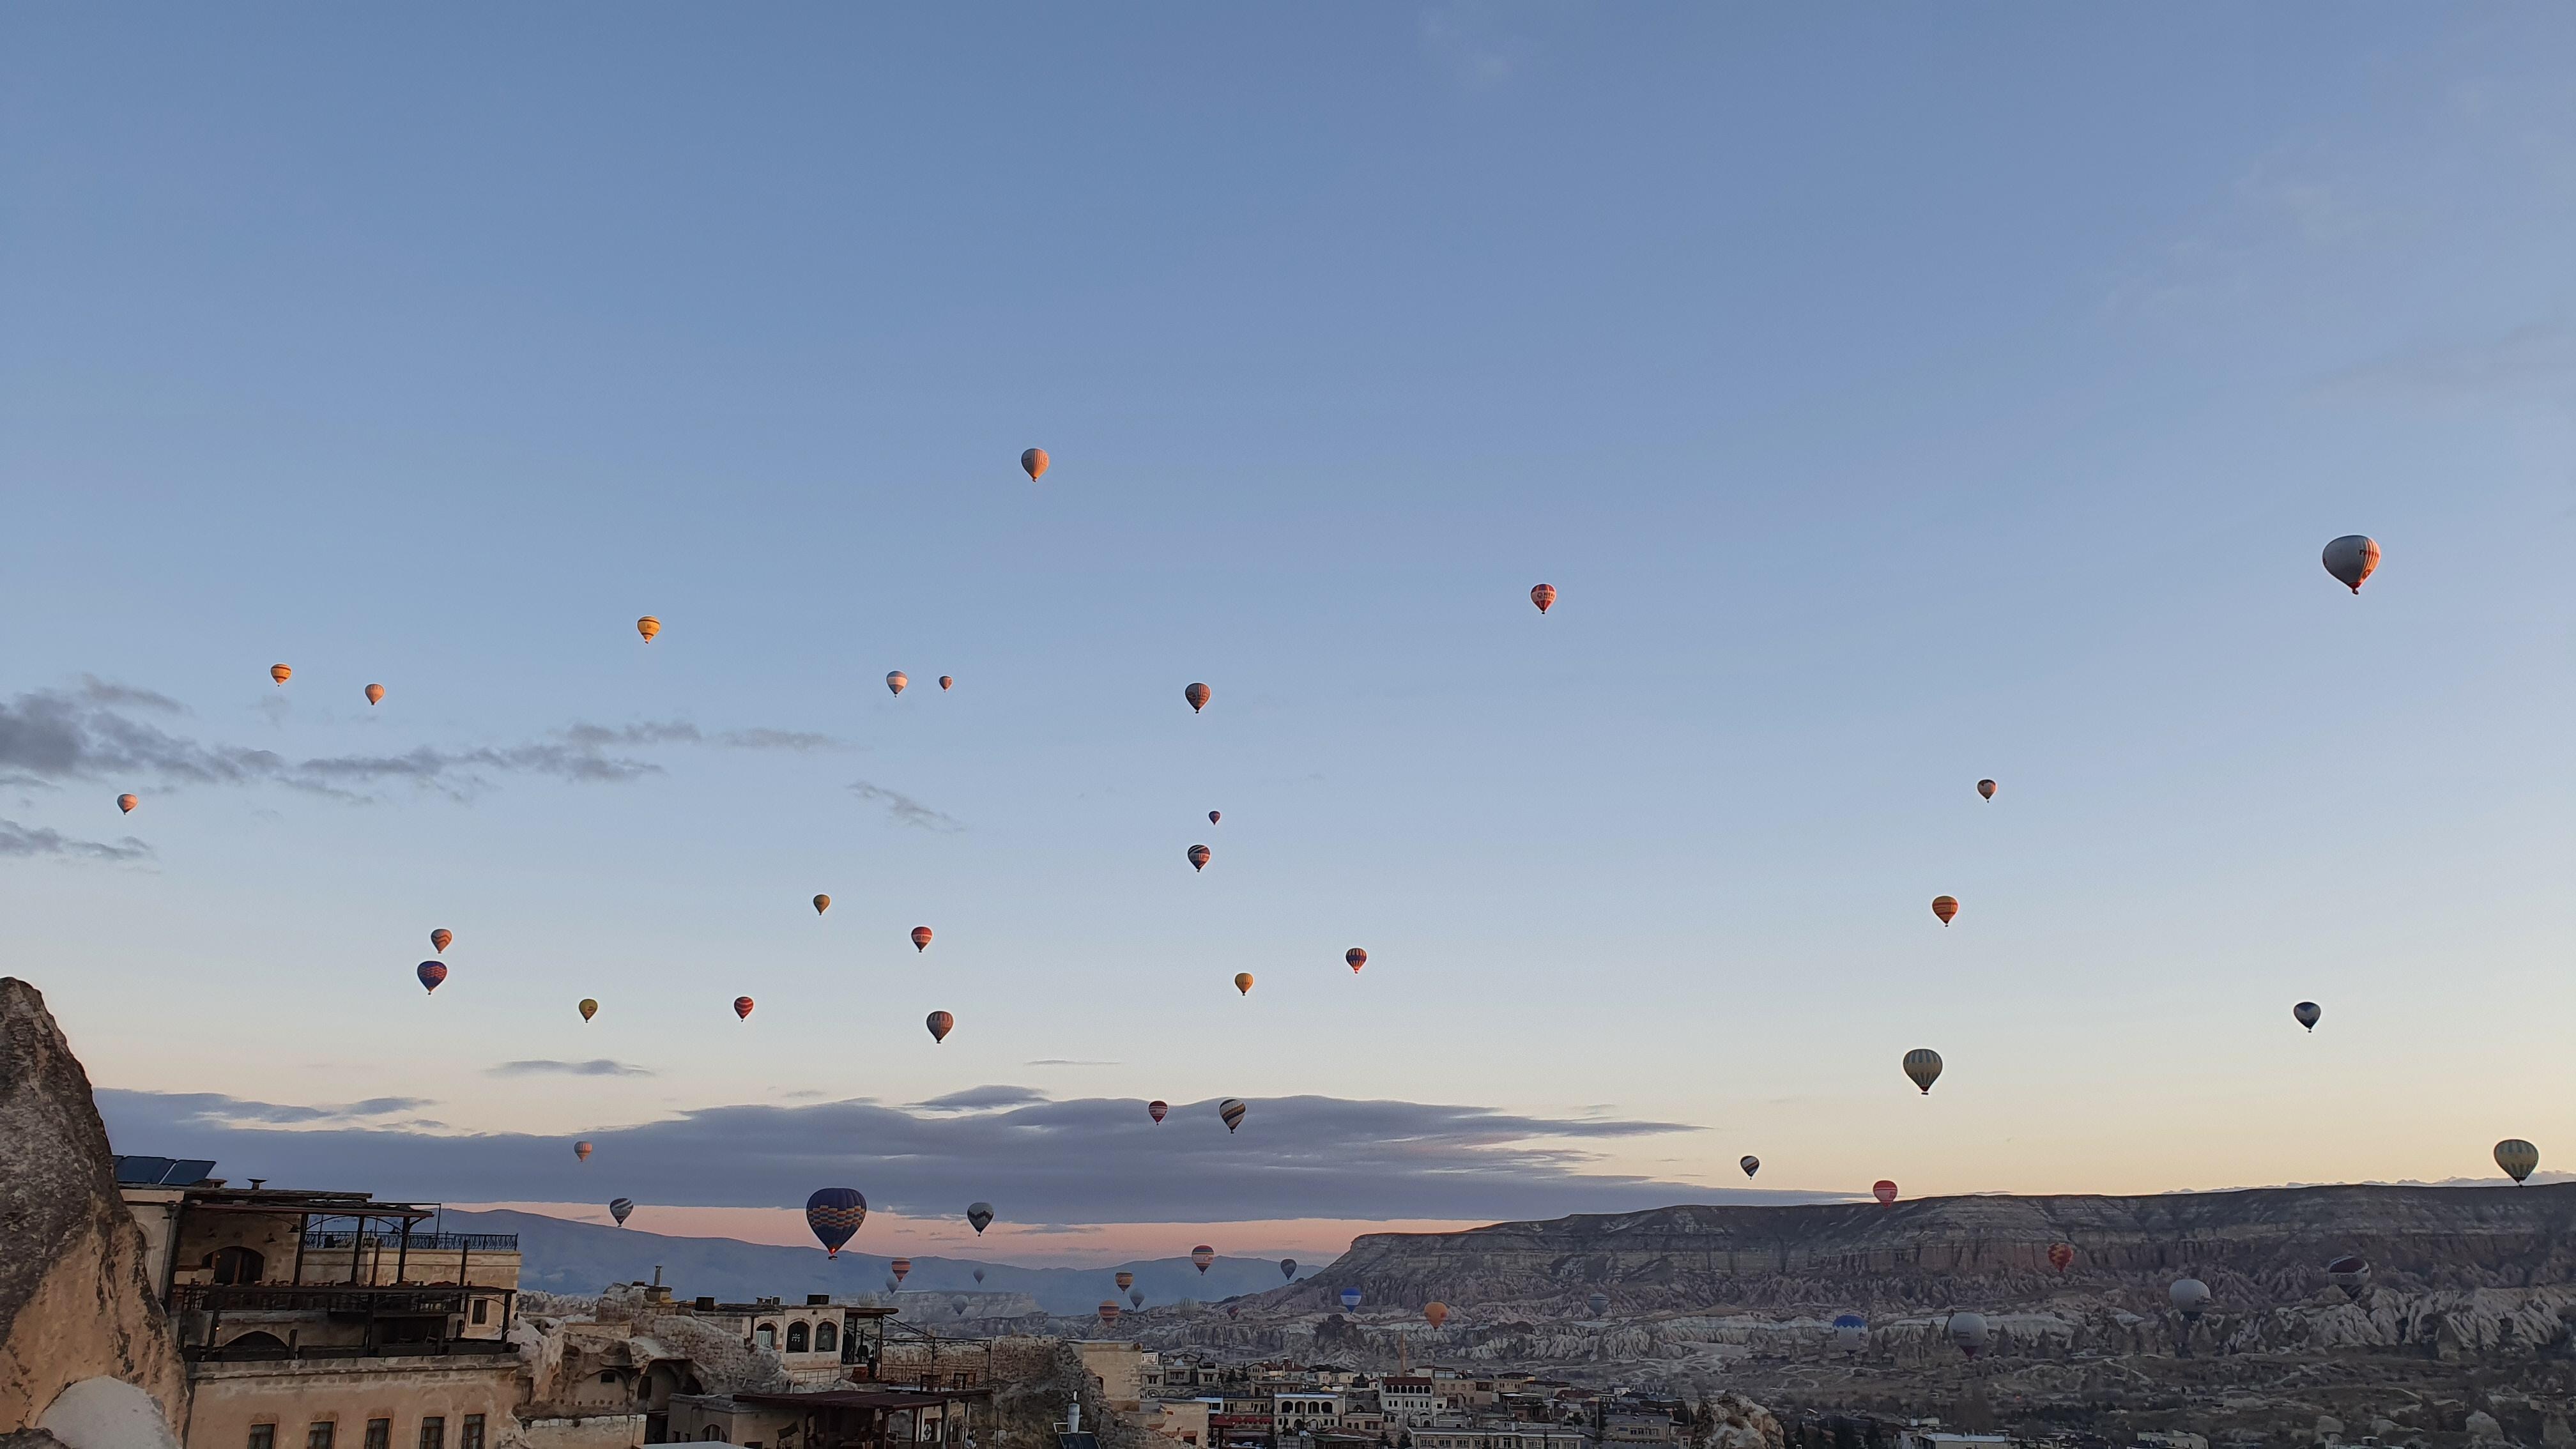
(75, 1302)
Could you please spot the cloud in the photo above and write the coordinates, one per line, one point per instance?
(92, 733)
(213, 1110)
(1084, 1160)
(2538, 357)
(21, 840)
(596, 1067)
(904, 809)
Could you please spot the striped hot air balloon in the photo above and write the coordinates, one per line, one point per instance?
(1199, 855)
(1197, 695)
(901, 1268)
(581, 1151)
(2516, 1157)
(1108, 1311)
(1946, 907)
(1357, 959)
(1923, 1065)
(1350, 1299)
(1156, 1108)
(921, 938)
(620, 1208)
(940, 1024)
(835, 1213)
(280, 673)
(430, 973)
(1125, 1279)
(742, 1007)
(1231, 1110)
(2061, 1256)
(1201, 1256)
(648, 626)
(2351, 559)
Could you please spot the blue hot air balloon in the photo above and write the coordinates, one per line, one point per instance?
(834, 1213)
(1287, 1267)
(1850, 1330)
(1350, 1299)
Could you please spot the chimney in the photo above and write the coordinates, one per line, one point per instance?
(657, 1275)
(707, 1303)
(257, 1183)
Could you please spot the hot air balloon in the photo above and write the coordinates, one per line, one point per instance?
(957, 1305)
(431, 973)
(979, 1216)
(1750, 1163)
(280, 673)
(2061, 1256)
(2191, 1297)
(1034, 463)
(1357, 957)
(1136, 1296)
(589, 1008)
(896, 680)
(1945, 907)
(1108, 1312)
(947, 682)
(979, 1275)
(1197, 695)
(648, 626)
(1884, 1191)
(1924, 1065)
(834, 1213)
(2516, 1157)
(439, 939)
(1986, 788)
(1215, 815)
(1350, 1299)
(1598, 1303)
(126, 803)
(892, 1285)
(2307, 1013)
(921, 938)
(1234, 1312)
(1287, 1267)
(1199, 857)
(1201, 1257)
(742, 1007)
(2351, 559)
(1435, 1313)
(1969, 1332)
(940, 1024)
(1543, 595)
(581, 1151)
(1243, 982)
(2349, 1273)
(1231, 1109)
(1126, 1280)
(822, 903)
(901, 1268)
(1156, 1108)
(375, 694)
(1850, 1331)
(621, 1208)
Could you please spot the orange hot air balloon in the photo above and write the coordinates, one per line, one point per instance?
(2061, 1256)
(821, 904)
(1199, 856)
(1945, 907)
(439, 939)
(1108, 1312)
(1986, 788)
(940, 1024)
(901, 1268)
(1884, 1191)
(589, 1008)
(1126, 1280)
(1034, 463)
(1243, 982)
(1543, 595)
(896, 679)
(946, 680)
(1198, 696)
(127, 803)
(1357, 957)
(280, 673)
(742, 1007)
(375, 694)
(2351, 559)
(921, 938)
(581, 1150)
(1436, 1314)
(648, 626)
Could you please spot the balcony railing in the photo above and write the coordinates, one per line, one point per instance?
(420, 1242)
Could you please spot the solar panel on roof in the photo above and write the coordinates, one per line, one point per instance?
(163, 1171)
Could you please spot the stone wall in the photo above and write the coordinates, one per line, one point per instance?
(583, 1431)
(230, 1397)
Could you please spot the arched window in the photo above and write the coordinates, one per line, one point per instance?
(766, 1335)
(826, 1338)
(236, 1264)
(796, 1337)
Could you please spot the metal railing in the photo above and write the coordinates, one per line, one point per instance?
(420, 1242)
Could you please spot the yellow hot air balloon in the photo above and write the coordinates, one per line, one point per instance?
(375, 694)
(280, 673)
(896, 679)
(1945, 907)
(1034, 462)
(439, 938)
(588, 1008)
(1243, 982)
(822, 904)
(127, 803)
(2516, 1157)
(1196, 694)
(1436, 1314)
(648, 626)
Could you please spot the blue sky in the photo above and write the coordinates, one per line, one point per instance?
(1896, 398)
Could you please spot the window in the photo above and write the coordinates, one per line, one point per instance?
(471, 1436)
(482, 1306)
(433, 1433)
(826, 1338)
(263, 1436)
(796, 1338)
(608, 1376)
(380, 1434)
(236, 1264)
(766, 1335)
(318, 1434)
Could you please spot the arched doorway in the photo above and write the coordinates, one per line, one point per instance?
(236, 1264)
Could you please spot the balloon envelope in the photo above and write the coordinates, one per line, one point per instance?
(1435, 1313)
(648, 626)
(1350, 1299)
(1199, 857)
(1033, 461)
(1543, 595)
(1197, 695)
(581, 1151)
(1287, 1267)
(280, 673)
(589, 1008)
(1923, 1065)
(979, 1216)
(1155, 1109)
(1136, 1296)
(947, 681)
(126, 803)
(1884, 1191)
(375, 694)
(1108, 1311)
(1201, 1256)
(431, 973)
(1750, 1163)
(1946, 907)
(742, 1007)
(1126, 1280)
(1357, 959)
(439, 939)
(1599, 1303)
(1214, 816)
(2516, 1157)
(901, 1268)
(921, 938)
(2190, 1295)
(822, 903)
(940, 1024)
(834, 1213)
(1986, 788)
(2308, 1013)
(2061, 1256)
(979, 1275)
(1243, 982)
(2351, 559)
(1231, 1109)
(2349, 1273)
(1969, 1332)
(621, 1208)
(896, 680)
(1850, 1330)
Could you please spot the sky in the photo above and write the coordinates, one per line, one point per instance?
(1895, 398)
